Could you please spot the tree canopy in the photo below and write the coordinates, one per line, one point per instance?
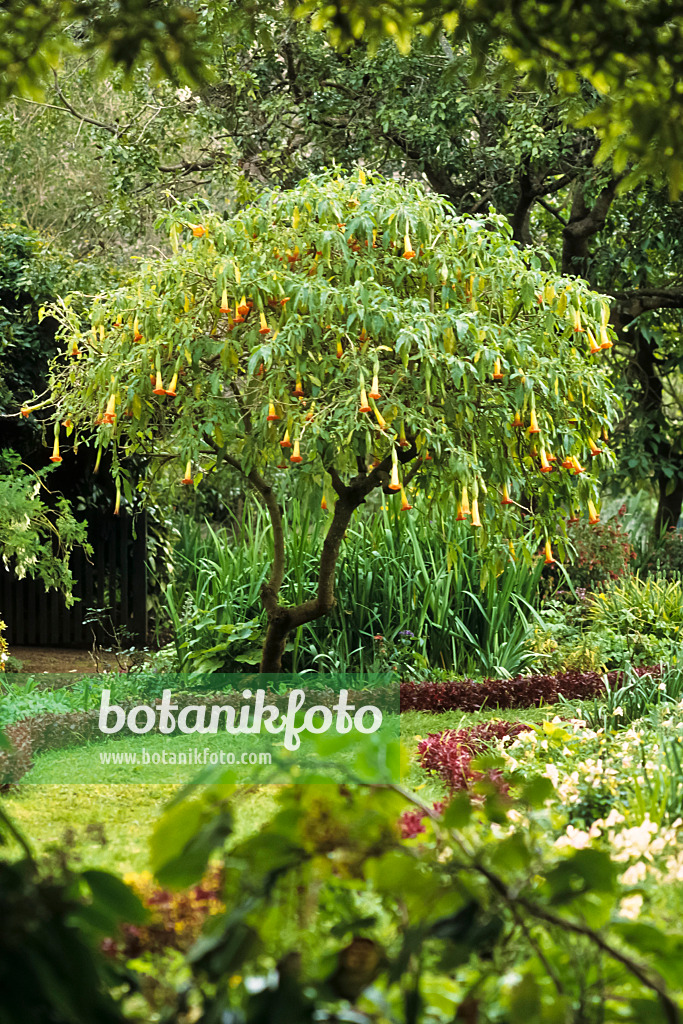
(356, 334)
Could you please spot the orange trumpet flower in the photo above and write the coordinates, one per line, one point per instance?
(285, 442)
(264, 328)
(405, 504)
(506, 499)
(56, 457)
(296, 454)
(593, 516)
(374, 390)
(604, 338)
(171, 389)
(394, 483)
(549, 560)
(187, 479)
(159, 388)
(497, 374)
(272, 415)
(408, 252)
(533, 422)
(476, 521)
(110, 414)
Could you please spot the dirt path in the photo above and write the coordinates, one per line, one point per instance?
(59, 660)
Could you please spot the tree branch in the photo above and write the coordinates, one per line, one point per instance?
(113, 129)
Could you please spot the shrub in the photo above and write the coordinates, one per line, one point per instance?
(602, 552)
(522, 692)
(176, 918)
(638, 620)
(666, 557)
(449, 754)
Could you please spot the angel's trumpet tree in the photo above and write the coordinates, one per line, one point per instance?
(430, 348)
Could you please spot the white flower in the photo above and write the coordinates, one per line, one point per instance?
(631, 906)
(634, 874)
(618, 711)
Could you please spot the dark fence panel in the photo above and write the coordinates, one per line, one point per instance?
(113, 579)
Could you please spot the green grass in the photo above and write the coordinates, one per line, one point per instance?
(50, 814)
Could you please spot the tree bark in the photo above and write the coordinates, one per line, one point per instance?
(281, 620)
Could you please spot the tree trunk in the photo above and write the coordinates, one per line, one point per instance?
(669, 505)
(277, 631)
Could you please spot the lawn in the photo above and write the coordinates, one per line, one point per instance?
(109, 824)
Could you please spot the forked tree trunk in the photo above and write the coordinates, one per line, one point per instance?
(282, 620)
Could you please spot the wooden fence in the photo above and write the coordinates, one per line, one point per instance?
(113, 579)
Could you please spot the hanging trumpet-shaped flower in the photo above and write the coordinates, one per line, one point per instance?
(187, 479)
(517, 421)
(243, 308)
(593, 343)
(238, 318)
(171, 389)
(110, 413)
(497, 374)
(549, 560)
(296, 454)
(264, 328)
(533, 422)
(286, 442)
(225, 305)
(323, 504)
(117, 503)
(381, 422)
(576, 465)
(272, 415)
(506, 499)
(198, 230)
(56, 457)
(405, 504)
(568, 462)
(159, 388)
(476, 521)
(298, 390)
(374, 390)
(408, 252)
(593, 516)
(137, 334)
(75, 350)
(545, 465)
(594, 448)
(394, 483)
(340, 349)
(364, 406)
(311, 413)
(604, 337)
(577, 321)
(403, 440)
